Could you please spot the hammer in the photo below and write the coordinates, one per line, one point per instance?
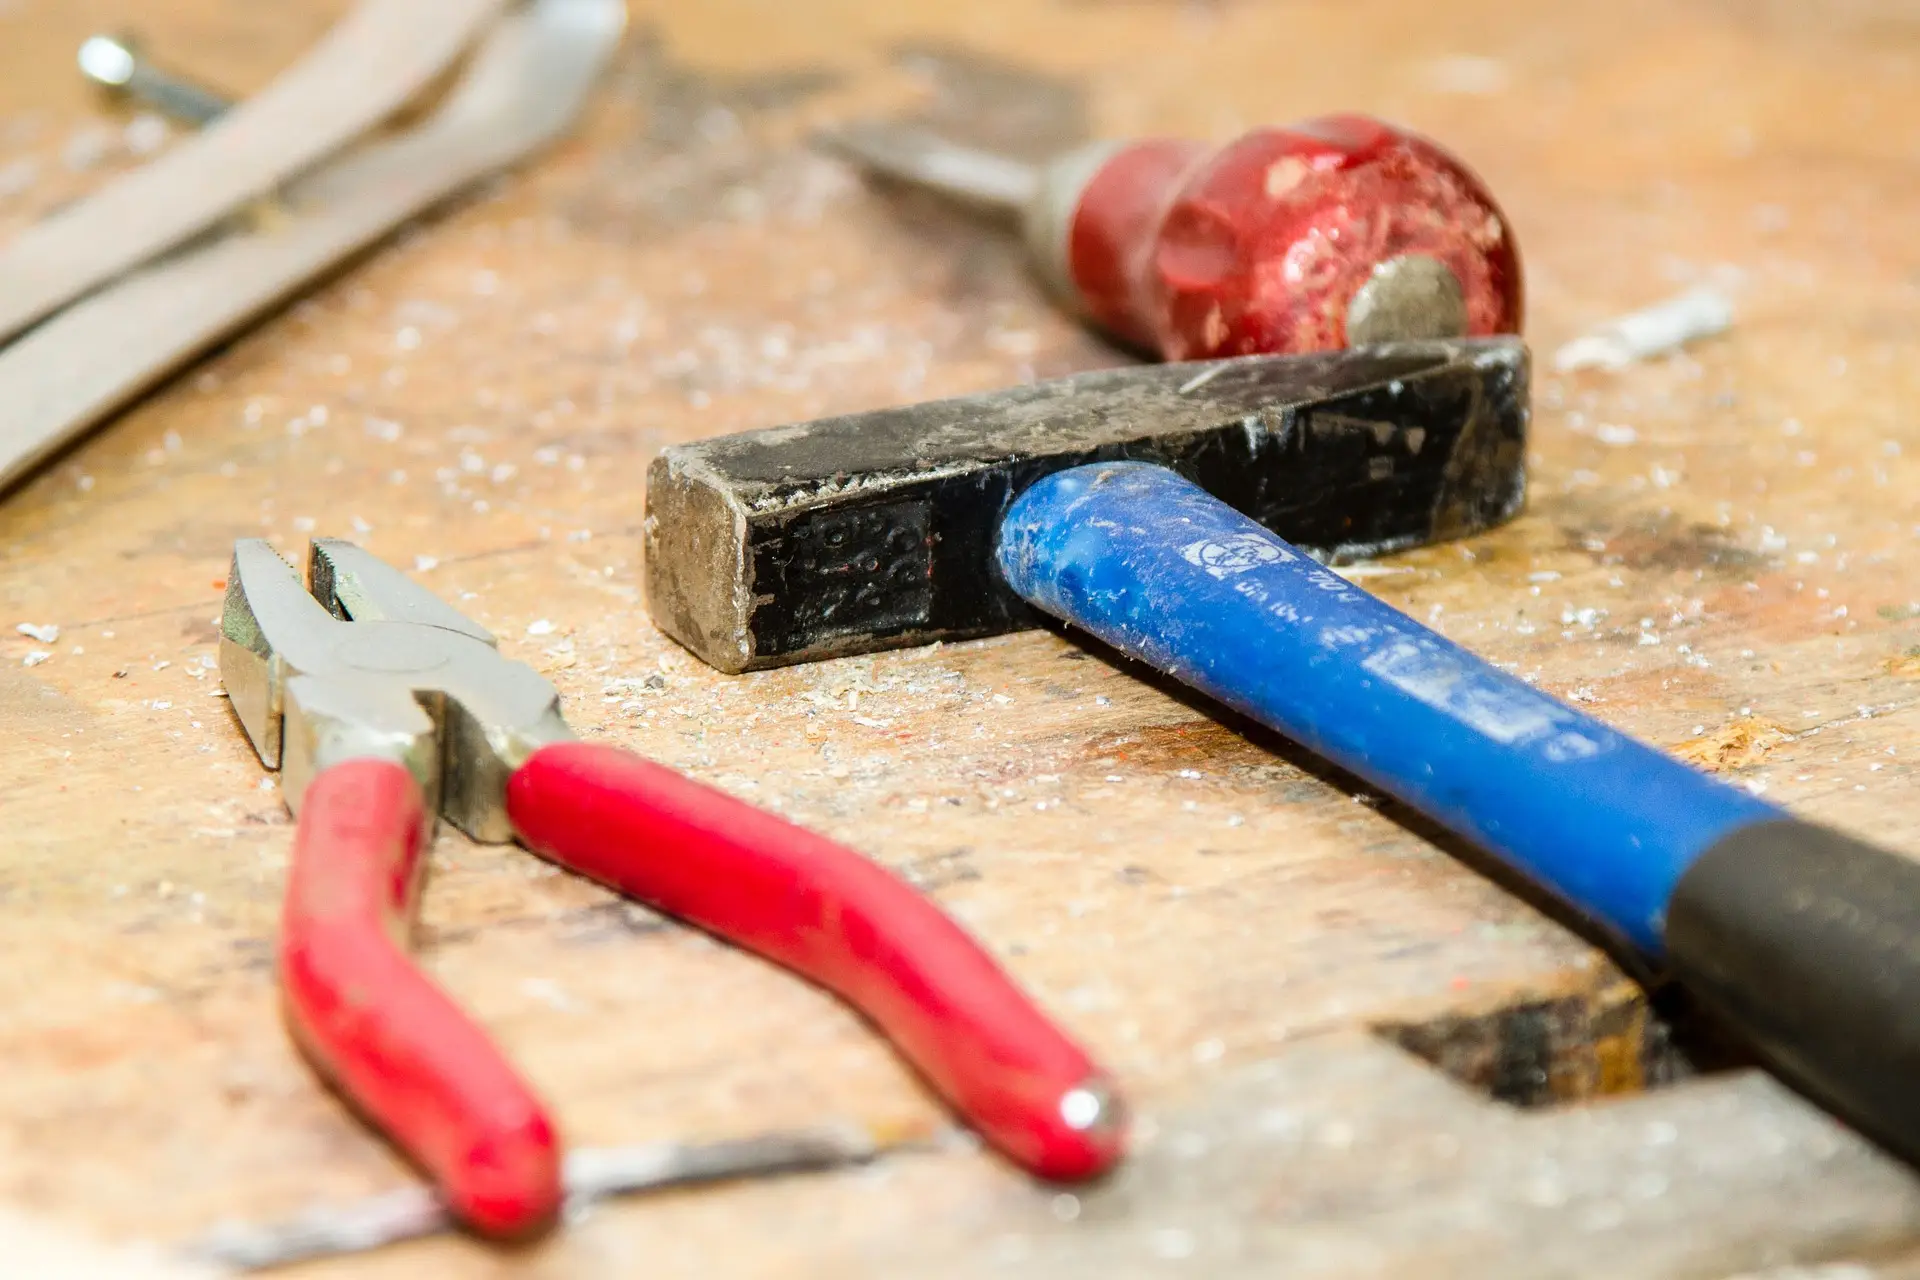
(1177, 513)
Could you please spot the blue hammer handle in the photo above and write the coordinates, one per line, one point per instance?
(1806, 940)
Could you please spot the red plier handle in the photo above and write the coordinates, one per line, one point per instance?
(393, 1043)
(420, 1069)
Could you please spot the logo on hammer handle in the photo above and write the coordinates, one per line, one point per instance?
(1234, 555)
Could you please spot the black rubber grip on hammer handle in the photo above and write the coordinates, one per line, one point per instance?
(1808, 942)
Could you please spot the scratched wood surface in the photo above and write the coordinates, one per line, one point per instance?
(1721, 553)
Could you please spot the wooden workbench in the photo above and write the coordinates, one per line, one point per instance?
(1721, 554)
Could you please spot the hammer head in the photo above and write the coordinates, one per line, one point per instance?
(877, 530)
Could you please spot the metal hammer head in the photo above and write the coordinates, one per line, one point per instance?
(877, 531)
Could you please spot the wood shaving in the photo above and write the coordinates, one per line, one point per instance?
(1737, 744)
(1657, 330)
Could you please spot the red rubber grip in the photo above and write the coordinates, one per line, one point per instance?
(1115, 220)
(393, 1043)
(835, 918)
(1261, 246)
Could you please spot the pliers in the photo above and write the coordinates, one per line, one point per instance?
(382, 706)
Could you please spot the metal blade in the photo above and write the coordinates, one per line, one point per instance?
(981, 178)
(357, 586)
(266, 606)
(524, 87)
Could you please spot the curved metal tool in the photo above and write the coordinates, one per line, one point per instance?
(527, 83)
(366, 68)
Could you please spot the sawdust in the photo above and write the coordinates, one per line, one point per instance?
(1659, 330)
(1738, 744)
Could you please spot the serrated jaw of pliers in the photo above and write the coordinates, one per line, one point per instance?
(368, 665)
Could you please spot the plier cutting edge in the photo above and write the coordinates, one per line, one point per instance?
(384, 707)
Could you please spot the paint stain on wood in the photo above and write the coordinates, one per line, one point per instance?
(1659, 542)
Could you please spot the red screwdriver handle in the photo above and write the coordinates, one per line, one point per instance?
(1262, 246)
(393, 1042)
(843, 922)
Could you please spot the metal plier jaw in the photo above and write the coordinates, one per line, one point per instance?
(365, 664)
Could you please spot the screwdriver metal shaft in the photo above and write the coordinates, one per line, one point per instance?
(967, 175)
